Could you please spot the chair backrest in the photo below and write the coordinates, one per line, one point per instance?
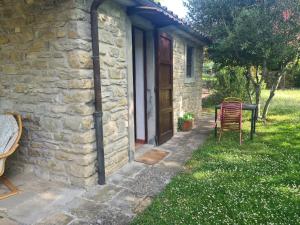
(233, 99)
(14, 142)
(231, 113)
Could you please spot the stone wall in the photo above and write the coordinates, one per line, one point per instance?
(46, 75)
(186, 92)
(113, 59)
(45, 67)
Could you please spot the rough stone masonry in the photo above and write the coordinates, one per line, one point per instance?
(46, 75)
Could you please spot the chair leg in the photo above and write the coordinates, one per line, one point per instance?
(13, 189)
(240, 137)
(220, 134)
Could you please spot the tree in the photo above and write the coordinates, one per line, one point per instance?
(260, 35)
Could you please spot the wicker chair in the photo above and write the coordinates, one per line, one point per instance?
(9, 150)
(231, 116)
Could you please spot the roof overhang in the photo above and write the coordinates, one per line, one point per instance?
(156, 15)
(195, 40)
(163, 18)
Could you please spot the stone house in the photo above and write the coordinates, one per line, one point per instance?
(151, 63)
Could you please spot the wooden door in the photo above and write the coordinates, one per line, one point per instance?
(164, 87)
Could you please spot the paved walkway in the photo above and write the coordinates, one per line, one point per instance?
(127, 192)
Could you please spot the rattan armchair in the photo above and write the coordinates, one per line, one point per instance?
(3, 156)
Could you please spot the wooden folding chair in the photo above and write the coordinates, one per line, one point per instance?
(231, 116)
(3, 156)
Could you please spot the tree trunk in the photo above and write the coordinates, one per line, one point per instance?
(256, 82)
(257, 98)
(258, 86)
(248, 86)
(271, 95)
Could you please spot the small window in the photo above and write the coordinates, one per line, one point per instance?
(189, 61)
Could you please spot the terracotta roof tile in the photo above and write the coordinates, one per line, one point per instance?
(175, 18)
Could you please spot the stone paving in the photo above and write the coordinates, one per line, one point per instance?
(127, 192)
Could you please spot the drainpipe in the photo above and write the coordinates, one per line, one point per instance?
(97, 88)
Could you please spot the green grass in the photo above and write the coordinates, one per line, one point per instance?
(224, 183)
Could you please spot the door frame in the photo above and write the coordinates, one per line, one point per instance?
(145, 82)
(157, 34)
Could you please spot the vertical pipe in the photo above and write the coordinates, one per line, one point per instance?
(97, 89)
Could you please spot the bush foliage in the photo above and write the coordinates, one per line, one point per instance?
(229, 82)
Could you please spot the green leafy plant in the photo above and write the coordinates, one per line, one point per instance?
(186, 117)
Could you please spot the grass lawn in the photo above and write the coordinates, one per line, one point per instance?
(256, 183)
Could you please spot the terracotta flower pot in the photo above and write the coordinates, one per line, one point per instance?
(188, 125)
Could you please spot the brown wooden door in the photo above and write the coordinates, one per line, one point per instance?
(164, 87)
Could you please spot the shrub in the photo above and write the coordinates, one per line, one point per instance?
(231, 82)
(295, 73)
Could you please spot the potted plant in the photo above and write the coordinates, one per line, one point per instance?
(186, 122)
